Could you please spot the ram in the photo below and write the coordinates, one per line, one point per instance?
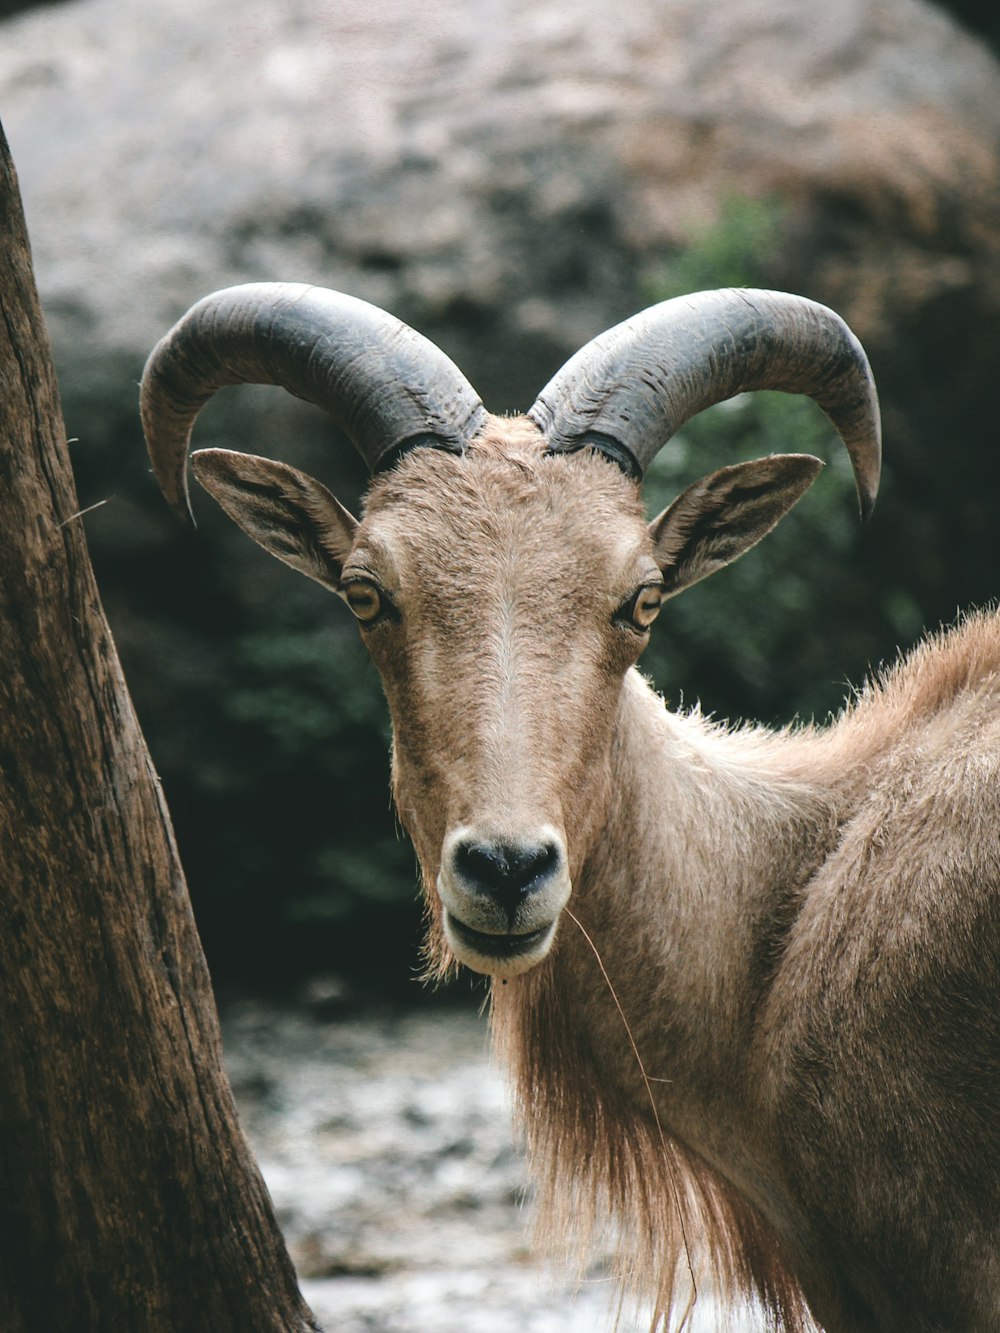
(747, 982)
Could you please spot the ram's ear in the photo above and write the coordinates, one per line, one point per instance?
(718, 518)
(289, 514)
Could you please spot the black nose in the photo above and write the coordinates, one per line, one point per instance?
(506, 872)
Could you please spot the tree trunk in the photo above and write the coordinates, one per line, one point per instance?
(128, 1197)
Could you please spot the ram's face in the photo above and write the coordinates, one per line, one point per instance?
(503, 596)
(502, 576)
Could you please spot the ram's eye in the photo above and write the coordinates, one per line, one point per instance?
(642, 608)
(366, 601)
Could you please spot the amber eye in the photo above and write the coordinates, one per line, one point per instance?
(365, 601)
(642, 608)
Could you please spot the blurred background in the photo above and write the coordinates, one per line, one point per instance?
(510, 177)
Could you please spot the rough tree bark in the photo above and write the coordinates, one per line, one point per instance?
(128, 1197)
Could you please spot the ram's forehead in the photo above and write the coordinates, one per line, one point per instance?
(506, 488)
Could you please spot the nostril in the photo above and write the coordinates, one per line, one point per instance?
(504, 870)
(539, 863)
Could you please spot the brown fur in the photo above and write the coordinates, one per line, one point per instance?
(802, 929)
(823, 839)
(941, 709)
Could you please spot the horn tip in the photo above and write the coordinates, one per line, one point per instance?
(184, 513)
(866, 502)
(868, 471)
(179, 504)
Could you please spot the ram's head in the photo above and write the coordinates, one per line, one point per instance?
(503, 576)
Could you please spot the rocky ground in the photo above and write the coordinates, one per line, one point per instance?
(387, 1145)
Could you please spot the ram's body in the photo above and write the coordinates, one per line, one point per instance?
(751, 981)
(802, 929)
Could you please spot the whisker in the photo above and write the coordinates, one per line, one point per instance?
(693, 1299)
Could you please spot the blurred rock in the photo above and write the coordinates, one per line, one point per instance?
(508, 176)
(511, 177)
(327, 996)
(386, 1145)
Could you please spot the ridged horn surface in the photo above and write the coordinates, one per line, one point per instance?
(630, 389)
(387, 387)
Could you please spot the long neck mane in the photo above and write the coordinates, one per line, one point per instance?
(634, 1071)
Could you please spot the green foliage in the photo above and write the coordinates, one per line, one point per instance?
(279, 786)
(754, 641)
(303, 691)
(310, 703)
(749, 641)
(737, 250)
(265, 716)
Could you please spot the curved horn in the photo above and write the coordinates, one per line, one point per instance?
(630, 389)
(387, 387)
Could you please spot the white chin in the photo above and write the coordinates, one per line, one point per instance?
(497, 955)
